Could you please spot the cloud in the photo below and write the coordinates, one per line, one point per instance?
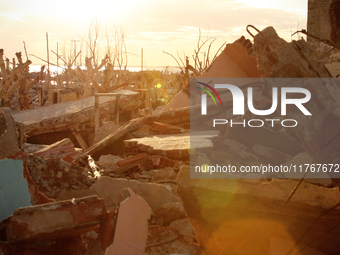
(12, 15)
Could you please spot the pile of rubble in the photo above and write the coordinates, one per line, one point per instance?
(141, 199)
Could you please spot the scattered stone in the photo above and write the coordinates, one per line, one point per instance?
(158, 235)
(59, 174)
(183, 226)
(170, 212)
(28, 148)
(110, 189)
(163, 174)
(145, 130)
(223, 210)
(166, 240)
(108, 162)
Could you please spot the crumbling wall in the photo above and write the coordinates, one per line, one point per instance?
(319, 21)
(324, 24)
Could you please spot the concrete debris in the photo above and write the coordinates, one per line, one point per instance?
(67, 115)
(8, 134)
(44, 172)
(132, 227)
(64, 149)
(145, 130)
(110, 189)
(40, 225)
(163, 174)
(174, 146)
(108, 162)
(170, 212)
(166, 240)
(128, 190)
(278, 59)
(53, 220)
(256, 211)
(183, 226)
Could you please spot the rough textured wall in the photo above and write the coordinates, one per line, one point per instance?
(319, 21)
(322, 23)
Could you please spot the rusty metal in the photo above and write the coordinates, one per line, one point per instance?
(251, 26)
(325, 41)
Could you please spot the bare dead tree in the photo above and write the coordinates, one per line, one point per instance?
(200, 63)
(17, 79)
(92, 41)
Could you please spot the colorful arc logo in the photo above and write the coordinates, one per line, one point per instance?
(211, 88)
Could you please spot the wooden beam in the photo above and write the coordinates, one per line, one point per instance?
(80, 140)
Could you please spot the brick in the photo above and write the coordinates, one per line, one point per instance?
(132, 169)
(70, 156)
(162, 162)
(132, 159)
(131, 151)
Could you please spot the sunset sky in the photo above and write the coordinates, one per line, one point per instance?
(154, 25)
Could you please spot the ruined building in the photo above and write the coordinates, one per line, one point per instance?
(324, 23)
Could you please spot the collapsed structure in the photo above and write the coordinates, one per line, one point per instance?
(130, 192)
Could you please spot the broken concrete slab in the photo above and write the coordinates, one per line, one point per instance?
(110, 189)
(145, 130)
(171, 117)
(29, 148)
(170, 212)
(132, 227)
(108, 162)
(174, 146)
(67, 115)
(237, 215)
(54, 220)
(163, 174)
(63, 146)
(183, 226)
